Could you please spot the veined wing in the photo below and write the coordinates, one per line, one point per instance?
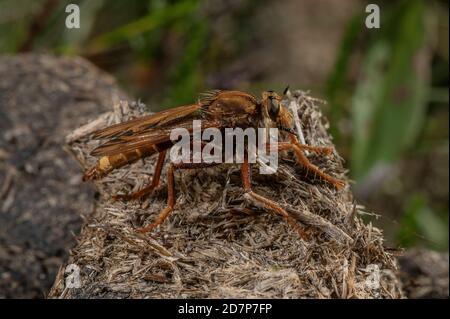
(146, 122)
(147, 137)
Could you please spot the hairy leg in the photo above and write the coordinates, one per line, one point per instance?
(246, 181)
(154, 183)
(303, 160)
(171, 192)
(316, 149)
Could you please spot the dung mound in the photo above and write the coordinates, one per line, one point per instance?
(216, 244)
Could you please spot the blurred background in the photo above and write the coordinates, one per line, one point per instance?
(387, 88)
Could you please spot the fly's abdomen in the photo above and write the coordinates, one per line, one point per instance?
(108, 163)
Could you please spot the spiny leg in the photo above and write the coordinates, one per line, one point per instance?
(171, 192)
(154, 183)
(283, 146)
(246, 181)
(170, 202)
(316, 149)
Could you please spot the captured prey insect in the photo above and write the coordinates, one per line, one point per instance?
(142, 137)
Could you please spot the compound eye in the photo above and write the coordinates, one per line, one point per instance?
(274, 107)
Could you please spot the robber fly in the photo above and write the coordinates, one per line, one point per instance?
(142, 137)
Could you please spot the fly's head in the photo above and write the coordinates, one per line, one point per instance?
(274, 114)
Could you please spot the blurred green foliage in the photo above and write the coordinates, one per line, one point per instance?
(388, 104)
(419, 220)
(389, 100)
(143, 33)
(159, 16)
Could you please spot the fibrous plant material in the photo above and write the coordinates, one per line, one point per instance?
(218, 243)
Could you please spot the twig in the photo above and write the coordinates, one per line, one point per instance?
(311, 219)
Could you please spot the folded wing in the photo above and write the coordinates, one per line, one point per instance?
(147, 137)
(147, 122)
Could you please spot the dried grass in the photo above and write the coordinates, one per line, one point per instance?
(217, 244)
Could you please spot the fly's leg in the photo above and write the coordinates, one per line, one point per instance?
(324, 150)
(317, 149)
(170, 202)
(171, 192)
(310, 168)
(154, 183)
(267, 203)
